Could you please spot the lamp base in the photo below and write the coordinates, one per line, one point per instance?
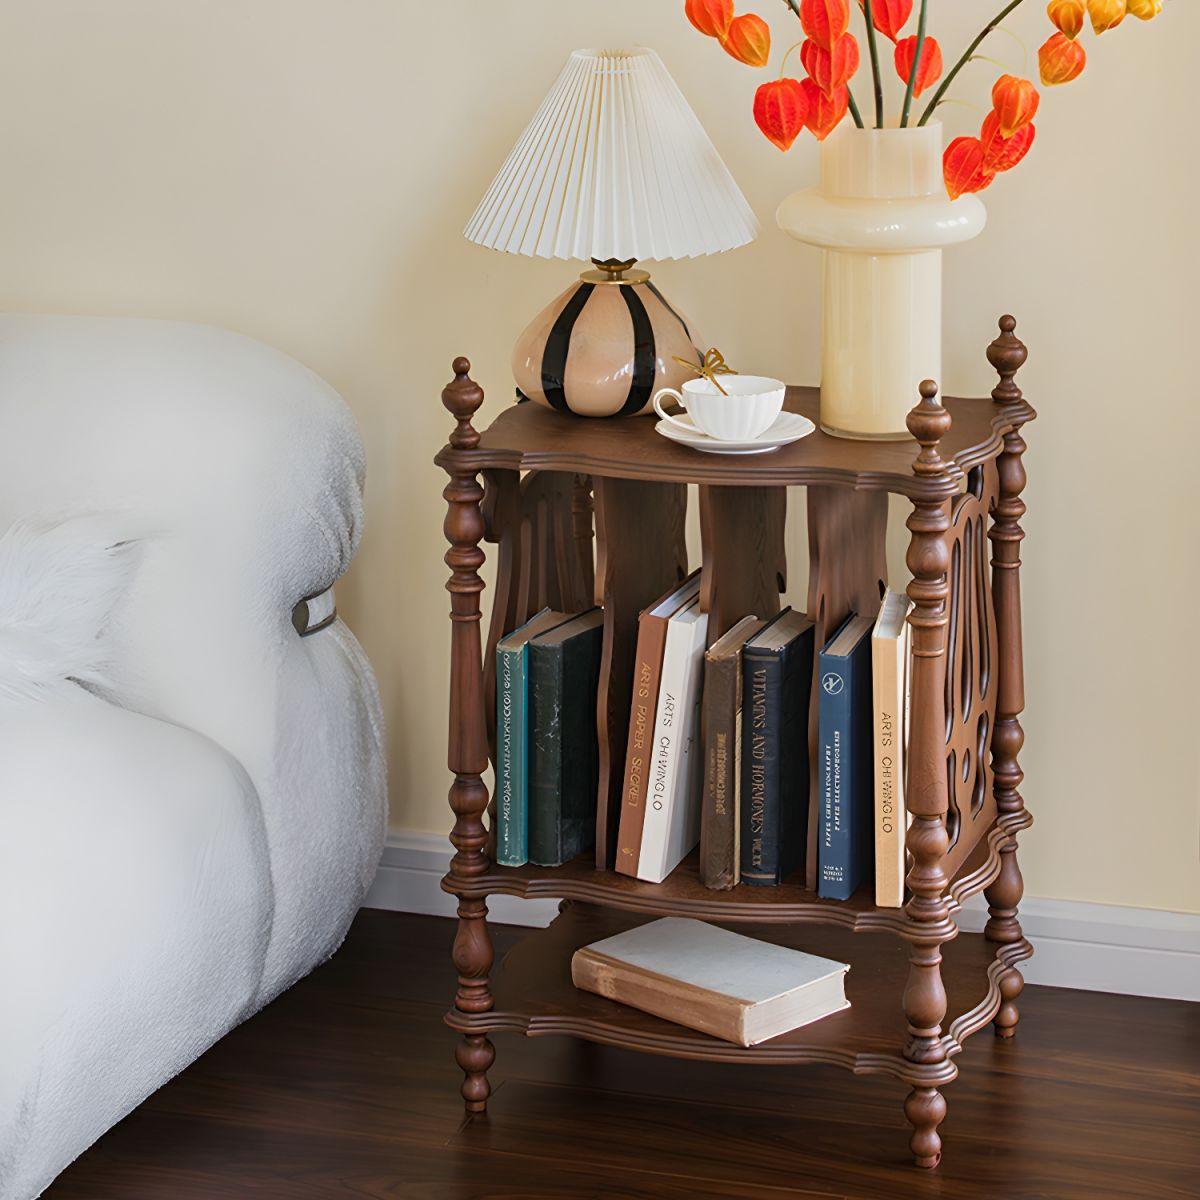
(605, 346)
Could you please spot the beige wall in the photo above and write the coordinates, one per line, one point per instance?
(301, 170)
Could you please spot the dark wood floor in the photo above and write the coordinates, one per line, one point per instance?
(346, 1087)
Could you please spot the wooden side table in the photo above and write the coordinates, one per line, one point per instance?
(529, 483)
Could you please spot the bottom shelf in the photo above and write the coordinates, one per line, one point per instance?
(534, 995)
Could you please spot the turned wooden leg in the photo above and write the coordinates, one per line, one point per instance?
(468, 751)
(927, 796)
(1007, 354)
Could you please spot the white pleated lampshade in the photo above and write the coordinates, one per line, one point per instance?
(615, 165)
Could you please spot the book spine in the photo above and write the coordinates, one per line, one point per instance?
(720, 868)
(545, 755)
(512, 795)
(889, 820)
(665, 751)
(836, 853)
(762, 677)
(652, 635)
(578, 681)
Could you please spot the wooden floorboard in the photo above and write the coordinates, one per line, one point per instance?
(346, 1087)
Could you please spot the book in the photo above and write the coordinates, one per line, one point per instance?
(671, 827)
(564, 760)
(845, 741)
(721, 724)
(512, 738)
(890, 648)
(777, 665)
(647, 670)
(711, 979)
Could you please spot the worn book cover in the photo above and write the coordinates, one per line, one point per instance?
(777, 665)
(721, 722)
(845, 740)
(564, 677)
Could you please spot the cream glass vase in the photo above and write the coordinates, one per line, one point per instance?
(882, 216)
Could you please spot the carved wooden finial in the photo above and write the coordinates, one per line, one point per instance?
(462, 399)
(1007, 354)
(929, 422)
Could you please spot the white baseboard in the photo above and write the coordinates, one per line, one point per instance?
(1096, 947)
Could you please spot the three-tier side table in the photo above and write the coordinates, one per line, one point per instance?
(589, 512)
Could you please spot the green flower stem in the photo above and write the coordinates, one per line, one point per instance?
(916, 67)
(873, 46)
(854, 108)
(966, 58)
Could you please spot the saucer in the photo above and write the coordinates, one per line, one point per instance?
(787, 428)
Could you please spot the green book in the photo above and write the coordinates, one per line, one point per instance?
(564, 763)
(512, 738)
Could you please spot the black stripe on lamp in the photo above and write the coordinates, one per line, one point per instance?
(616, 168)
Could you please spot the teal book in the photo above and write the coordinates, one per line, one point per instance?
(564, 759)
(845, 761)
(512, 738)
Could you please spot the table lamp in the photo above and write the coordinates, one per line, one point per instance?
(615, 167)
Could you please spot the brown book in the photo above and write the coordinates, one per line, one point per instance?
(721, 720)
(647, 670)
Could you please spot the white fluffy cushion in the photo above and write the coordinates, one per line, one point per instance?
(59, 583)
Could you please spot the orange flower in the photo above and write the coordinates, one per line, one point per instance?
(1144, 10)
(889, 16)
(1067, 16)
(780, 111)
(748, 40)
(1060, 60)
(1002, 153)
(831, 68)
(1106, 14)
(824, 112)
(825, 20)
(963, 167)
(711, 17)
(930, 68)
(1016, 103)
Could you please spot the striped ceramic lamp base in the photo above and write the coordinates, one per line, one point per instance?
(605, 346)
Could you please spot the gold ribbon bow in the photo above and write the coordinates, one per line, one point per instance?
(712, 365)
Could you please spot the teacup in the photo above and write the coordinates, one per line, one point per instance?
(750, 408)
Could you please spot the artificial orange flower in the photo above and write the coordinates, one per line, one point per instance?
(780, 111)
(1067, 16)
(831, 68)
(889, 16)
(1060, 60)
(711, 17)
(748, 40)
(1144, 10)
(964, 168)
(1106, 14)
(930, 68)
(1002, 153)
(824, 112)
(1016, 103)
(825, 20)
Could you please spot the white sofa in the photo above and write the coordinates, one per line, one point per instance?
(178, 848)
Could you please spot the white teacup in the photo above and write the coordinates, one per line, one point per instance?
(749, 409)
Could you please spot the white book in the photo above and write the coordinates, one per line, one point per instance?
(671, 827)
(890, 643)
(711, 979)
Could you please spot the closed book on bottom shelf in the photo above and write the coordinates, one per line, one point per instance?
(711, 979)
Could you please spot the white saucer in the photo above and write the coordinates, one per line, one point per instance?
(787, 428)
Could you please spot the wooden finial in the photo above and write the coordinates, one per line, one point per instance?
(1007, 354)
(929, 422)
(462, 399)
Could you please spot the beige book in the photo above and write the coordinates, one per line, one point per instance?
(721, 983)
(890, 675)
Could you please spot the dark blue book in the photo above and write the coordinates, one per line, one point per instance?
(845, 773)
(777, 666)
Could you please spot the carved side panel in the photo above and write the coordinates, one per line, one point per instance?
(970, 687)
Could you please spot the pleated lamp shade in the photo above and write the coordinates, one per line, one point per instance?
(615, 165)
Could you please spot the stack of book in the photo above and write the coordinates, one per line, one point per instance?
(547, 762)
